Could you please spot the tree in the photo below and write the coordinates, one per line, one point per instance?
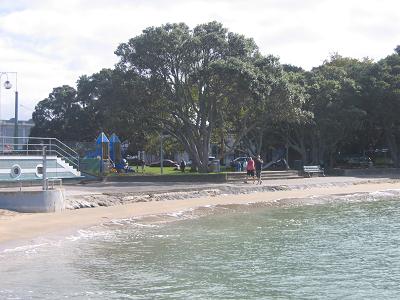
(182, 68)
(109, 101)
(381, 91)
(336, 116)
(114, 102)
(60, 115)
(296, 127)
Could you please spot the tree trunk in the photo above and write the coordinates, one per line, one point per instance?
(296, 141)
(393, 147)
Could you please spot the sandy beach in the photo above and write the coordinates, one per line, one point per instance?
(17, 227)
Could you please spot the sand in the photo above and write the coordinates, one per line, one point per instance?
(17, 227)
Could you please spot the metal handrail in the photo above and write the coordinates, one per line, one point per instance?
(51, 148)
(40, 139)
(50, 139)
(54, 145)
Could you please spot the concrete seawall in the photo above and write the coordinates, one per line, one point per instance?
(33, 201)
(376, 172)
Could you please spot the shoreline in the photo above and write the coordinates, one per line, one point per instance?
(17, 228)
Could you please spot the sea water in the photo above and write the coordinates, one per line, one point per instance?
(337, 247)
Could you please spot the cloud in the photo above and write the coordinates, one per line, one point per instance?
(51, 43)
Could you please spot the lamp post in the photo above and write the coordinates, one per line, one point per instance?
(7, 85)
(161, 154)
(162, 136)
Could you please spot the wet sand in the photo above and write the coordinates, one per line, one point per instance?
(18, 227)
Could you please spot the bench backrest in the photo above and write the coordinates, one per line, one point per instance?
(312, 169)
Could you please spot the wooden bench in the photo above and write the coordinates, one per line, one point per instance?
(309, 170)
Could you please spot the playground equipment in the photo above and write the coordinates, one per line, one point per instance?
(103, 152)
(116, 152)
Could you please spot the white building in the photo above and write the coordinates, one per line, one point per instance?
(24, 129)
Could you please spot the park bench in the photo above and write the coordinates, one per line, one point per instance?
(310, 170)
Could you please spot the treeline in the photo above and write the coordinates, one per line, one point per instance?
(208, 85)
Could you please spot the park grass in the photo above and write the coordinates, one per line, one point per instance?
(150, 171)
(157, 171)
(173, 171)
(166, 171)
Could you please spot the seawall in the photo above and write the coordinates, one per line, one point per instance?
(32, 201)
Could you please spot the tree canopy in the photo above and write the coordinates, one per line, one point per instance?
(208, 85)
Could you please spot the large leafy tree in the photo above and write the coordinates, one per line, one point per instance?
(381, 100)
(265, 98)
(295, 128)
(113, 101)
(329, 115)
(333, 93)
(60, 115)
(109, 101)
(183, 71)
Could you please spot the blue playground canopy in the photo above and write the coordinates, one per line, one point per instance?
(102, 146)
(102, 138)
(114, 139)
(115, 150)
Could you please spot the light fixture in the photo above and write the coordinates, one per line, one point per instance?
(7, 85)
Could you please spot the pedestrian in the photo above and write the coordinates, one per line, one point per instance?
(258, 163)
(245, 165)
(183, 166)
(238, 166)
(250, 169)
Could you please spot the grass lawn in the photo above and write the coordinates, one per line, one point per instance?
(150, 171)
(171, 171)
(157, 171)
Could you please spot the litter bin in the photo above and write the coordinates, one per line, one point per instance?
(215, 166)
(298, 165)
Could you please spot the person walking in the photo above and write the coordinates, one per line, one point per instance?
(250, 169)
(258, 167)
(183, 166)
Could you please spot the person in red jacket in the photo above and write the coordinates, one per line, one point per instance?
(250, 169)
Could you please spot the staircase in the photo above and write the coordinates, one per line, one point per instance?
(265, 175)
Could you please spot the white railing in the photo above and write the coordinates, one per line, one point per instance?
(34, 146)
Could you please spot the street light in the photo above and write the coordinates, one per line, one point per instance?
(162, 136)
(7, 85)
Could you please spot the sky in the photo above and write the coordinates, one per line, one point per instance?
(49, 43)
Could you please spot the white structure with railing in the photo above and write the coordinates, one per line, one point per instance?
(21, 159)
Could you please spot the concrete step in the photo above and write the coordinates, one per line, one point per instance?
(266, 172)
(262, 178)
(265, 175)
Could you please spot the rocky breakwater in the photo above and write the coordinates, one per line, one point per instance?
(110, 199)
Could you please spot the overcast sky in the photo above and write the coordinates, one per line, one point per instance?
(51, 43)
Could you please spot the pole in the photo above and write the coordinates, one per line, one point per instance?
(1, 123)
(161, 155)
(8, 85)
(44, 172)
(16, 122)
(287, 148)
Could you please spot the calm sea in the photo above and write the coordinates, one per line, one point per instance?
(338, 247)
